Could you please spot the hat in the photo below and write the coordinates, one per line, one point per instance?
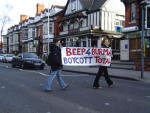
(56, 40)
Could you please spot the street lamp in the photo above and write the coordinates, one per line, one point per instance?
(142, 43)
(144, 26)
(48, 27)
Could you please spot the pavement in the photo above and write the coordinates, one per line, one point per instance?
(115, 73)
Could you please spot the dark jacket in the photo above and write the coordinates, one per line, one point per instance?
(103, 67)
(55, 58)
(104, 46)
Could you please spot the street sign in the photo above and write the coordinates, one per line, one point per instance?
(147, 17)
(118, 29)
(130, 29)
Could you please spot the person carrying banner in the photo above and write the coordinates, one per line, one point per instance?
(103, 69)
(54, 60)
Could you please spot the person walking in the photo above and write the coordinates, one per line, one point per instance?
(54, 60)
(103, 69)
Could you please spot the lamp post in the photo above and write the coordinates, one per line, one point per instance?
(48, 27)
(142, 43)
(144, 3)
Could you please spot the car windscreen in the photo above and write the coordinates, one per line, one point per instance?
(11, 55)
(29, 55)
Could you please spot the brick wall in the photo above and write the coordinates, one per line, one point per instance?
(39, 9)
(23, 18)
(56, 24)
(128, 15)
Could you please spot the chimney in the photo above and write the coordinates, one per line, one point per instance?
(39, 8)
(23, 18)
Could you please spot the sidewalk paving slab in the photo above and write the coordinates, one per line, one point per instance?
(115, 73)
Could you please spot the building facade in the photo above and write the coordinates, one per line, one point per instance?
(80, 23)
(31, 34)
(133, 31)
(86, 23)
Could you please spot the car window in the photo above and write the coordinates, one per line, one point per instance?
(19, 55)
(29, 55)
(10, 55)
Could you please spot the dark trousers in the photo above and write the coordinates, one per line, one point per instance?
(102, 71)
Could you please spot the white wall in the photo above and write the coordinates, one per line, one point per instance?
(109, 12)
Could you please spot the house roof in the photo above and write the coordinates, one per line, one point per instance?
(92, 5)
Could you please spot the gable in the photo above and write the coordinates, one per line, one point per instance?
(92, 5)
(73, 6)
(114, 6)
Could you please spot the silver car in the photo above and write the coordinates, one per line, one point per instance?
(8, 58)
(1, 57)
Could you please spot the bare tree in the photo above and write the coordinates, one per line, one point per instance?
(3, 22)
(4, 19)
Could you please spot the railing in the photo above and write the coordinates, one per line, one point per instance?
(46, 36)
(64, 32)
(85, 28)
(80, 29)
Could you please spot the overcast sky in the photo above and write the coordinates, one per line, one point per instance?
(14, 8)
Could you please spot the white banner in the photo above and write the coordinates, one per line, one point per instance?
(85, 56)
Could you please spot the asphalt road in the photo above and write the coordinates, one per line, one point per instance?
(22, 91)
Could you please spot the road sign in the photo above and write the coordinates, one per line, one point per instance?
(147, 17)
(118, 29)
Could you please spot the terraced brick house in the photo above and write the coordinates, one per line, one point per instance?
(133, 31)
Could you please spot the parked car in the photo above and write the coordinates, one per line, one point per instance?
(27, 60)
(7, 57)
(1, 57)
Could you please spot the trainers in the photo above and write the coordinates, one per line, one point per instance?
(99, 87)
(111, 86)
(48, 90)
(65, 87)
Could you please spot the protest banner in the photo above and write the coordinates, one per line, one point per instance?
(85, 56)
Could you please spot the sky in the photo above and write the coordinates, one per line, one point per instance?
(14, 8)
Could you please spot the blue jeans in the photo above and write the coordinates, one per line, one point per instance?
(52, 76)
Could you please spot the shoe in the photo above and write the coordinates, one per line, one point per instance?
(48, 90)
(99, 87)
(111, 86)
(65, 87)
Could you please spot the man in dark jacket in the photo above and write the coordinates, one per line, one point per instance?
(56, 66)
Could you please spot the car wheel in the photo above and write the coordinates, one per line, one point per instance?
(42, 67)
(13, 65)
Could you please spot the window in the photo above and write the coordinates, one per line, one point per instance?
(73, 5)
(25, 34)
(45, 26)
(81, 23)
(133, 12)
(30, 33)
(76, 25)
(71, 26)
(117, 23)
(33, 33)
(50, 28)
(38, 31)
(122, 23)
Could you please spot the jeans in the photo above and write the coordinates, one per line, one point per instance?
(52, 76)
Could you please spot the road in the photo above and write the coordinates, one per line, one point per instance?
(22, 91)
